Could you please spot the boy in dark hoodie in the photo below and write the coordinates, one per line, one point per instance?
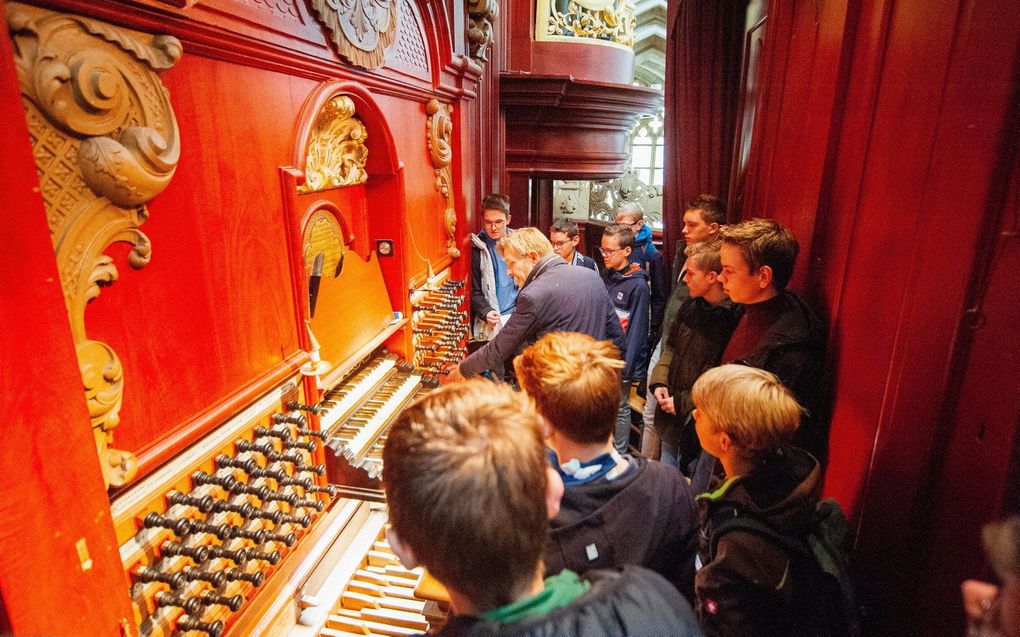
(616, 509)
(646, 255)
(627, 285)
(695, 343)
(750, 585)
(470, 491)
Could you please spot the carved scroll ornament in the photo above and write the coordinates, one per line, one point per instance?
(361, 29)
(336, 153)
(105, 141)
(439, 134)
(481, 15)
(606, 20)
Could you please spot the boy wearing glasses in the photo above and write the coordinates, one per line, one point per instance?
(564, 237)
(645, 254)
(627, 285)
(493, 291)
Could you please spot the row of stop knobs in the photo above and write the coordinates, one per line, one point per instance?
(276, 445)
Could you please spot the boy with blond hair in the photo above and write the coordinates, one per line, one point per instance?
(616, 509)
(470, 491)
(751, 582)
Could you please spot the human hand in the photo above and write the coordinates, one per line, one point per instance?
(977, 598)
(661, 394)
(668, 406)
(453, 375)
(492, 318)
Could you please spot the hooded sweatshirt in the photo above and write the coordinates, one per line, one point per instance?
(628, 290)
(748, 587)
(649, 258)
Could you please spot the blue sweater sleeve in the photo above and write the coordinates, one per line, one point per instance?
(637, 333)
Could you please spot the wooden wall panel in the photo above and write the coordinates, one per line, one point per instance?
(52, 499)
(891, 184)
(219, 278)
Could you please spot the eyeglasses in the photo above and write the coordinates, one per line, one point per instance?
(559, 244)
(609, 253)
(494, 224)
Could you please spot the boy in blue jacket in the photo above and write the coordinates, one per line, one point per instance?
(628, 289)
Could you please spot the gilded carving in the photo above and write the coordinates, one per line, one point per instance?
(361, 29)
(481, 15)
(336, 153)
(604, 20)
(106, 142)
(439, 133)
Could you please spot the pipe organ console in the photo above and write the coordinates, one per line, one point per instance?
(438, 326)
(224, 408)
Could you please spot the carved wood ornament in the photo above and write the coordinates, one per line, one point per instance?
(105, 142)
(439, 133)
(361, 29)
(481, 15)
(336, 152)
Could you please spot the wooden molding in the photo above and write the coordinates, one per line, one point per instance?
(558, 126)
(106, 142)
(361, 29)
(439, 142)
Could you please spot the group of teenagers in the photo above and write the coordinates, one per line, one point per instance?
(522, 498)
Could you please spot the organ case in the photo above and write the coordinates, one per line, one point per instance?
(231, 496)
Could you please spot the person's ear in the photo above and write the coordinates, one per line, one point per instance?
(713, 229)
(575, 240)
(765, 277)
(712, 276)
(533, 256)
(553, 492)
(724, 440)
(629, 249)
(401, 550)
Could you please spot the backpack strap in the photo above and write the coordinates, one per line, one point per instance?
(729, 517)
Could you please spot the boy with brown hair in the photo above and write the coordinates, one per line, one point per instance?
(627, 285)
(470, 491)
(777, 332)
(751, 583)
(694, 343)
(616, 509)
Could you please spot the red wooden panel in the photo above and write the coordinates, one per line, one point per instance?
(213, 310)
(52, 498)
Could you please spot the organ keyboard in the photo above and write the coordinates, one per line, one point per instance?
(365, 590)
(357, 413)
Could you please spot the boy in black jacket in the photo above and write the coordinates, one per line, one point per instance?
(616, 509)
(749, 584)
(470, 491)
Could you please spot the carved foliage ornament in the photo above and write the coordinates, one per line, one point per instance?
(336, 153)
(105, 142)
(481, 15)
(439, 134)
(607, 20)
(361, 29)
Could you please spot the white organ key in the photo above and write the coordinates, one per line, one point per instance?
(357, 393)
(368, 433)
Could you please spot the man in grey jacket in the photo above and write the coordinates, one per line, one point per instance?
(554, 297)
(493, 291)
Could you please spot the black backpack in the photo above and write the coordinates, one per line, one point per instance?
(823, 590)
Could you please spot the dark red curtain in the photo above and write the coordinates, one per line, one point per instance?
(704, 45)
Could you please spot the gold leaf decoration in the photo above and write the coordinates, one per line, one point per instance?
(336, 153)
